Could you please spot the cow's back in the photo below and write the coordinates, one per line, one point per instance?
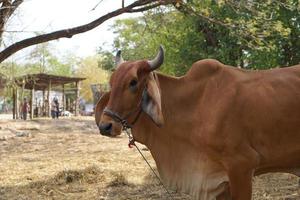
(268, 106)
(260, 108)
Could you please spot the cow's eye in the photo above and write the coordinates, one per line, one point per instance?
(133, 85)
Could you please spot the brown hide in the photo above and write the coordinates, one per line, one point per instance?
(222, 125)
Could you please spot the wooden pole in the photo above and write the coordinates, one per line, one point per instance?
(14, 103)
(76, 98)
(49, 101)
(68, 104)
(36, 113)
(31, 102)
(22, 90)
(17, 103)
(22, 96)
(63, 97)
(43, 104)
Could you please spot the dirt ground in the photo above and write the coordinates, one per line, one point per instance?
(67, 159)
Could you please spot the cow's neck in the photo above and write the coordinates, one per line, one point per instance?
(177, 98)
(145, 131)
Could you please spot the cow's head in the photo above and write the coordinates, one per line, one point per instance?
(133, 89)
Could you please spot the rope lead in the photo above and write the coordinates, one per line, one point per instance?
(132, 143)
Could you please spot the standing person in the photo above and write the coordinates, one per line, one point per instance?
(57, 108)
(53, 109)
(25, 109)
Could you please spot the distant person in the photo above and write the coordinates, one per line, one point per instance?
(57, 108)
(53, 108)
(25, 109)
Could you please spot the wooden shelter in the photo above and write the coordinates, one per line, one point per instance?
(45, 83)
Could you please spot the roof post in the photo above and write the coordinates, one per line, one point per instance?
(14, 103)
(76, 98)
(17, 103)
(43, 104)
(63, 97)
(48, 97)
(31, 102)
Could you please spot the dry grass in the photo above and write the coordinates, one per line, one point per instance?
(68, 159)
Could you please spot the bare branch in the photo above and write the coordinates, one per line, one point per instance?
(6, 10)
(154, 5)
(94, 8)
(68, 33)
(144, 8)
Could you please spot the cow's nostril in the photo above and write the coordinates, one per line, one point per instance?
(105, 128)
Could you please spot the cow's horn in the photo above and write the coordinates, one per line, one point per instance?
(119, 58)
(158, 60)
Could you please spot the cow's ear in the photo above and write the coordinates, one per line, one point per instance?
(100, 106)
(151, 100)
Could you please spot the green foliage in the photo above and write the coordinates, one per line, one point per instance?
(250, 34)
(41, 60)
(148, 34)
(88, 68)
(106, 59)
(58, 67)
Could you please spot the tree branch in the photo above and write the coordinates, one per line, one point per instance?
(6, 10)
(147, 7)
(140, 5)
(94, 8)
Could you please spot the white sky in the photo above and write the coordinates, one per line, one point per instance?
(51, 15)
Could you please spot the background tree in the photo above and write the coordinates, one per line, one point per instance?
(7, 8)
(249, 34)
(40, 56)
(89, 68)
(42, 59)
(48, 62)
(106, 59)
(136, 6)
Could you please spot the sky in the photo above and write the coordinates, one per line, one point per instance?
(50, 15)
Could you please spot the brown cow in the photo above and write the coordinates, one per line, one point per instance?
(211, 130)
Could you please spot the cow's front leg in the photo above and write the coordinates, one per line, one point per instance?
(240, 169)
(240, 183)
(225, 195)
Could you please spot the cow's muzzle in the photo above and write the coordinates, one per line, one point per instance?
(105, 128)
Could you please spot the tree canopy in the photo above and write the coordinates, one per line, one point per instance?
(42, 59)
(8, 7)
(89, 68)
(249, 34)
